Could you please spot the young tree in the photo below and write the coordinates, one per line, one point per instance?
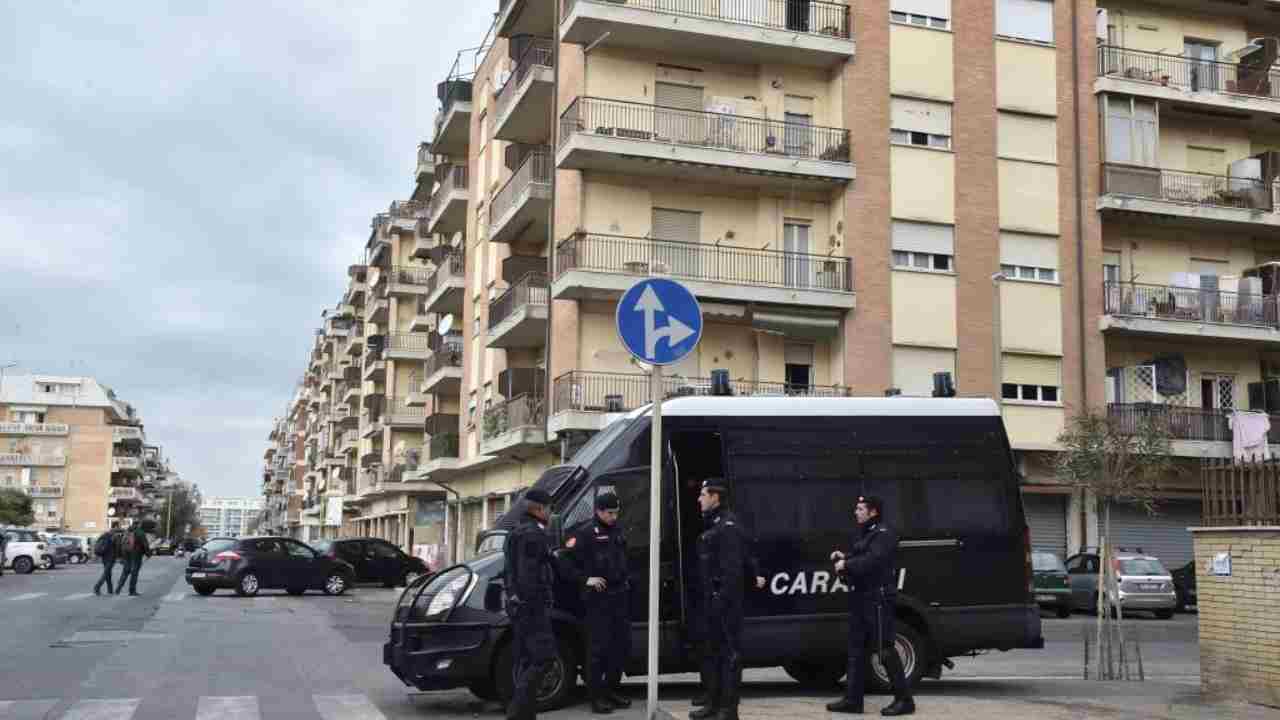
(181, 509)
(15, 508)
(1115, 462)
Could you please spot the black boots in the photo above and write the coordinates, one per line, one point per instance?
(900, 706)
(618, 701)
(601, 707)
(843, 705)
(703, 713)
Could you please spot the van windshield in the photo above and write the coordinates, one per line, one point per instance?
(588, 453)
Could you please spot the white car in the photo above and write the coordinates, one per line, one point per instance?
(25, 550)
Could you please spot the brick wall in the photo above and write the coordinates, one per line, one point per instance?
(1239, 622)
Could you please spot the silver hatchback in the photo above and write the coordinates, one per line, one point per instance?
(1145, 583)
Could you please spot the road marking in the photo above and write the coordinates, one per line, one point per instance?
(346, 707)
(174, 597)
(103, 709)
(243, 707)
(24, 709)
(78, 596)
(28, 596)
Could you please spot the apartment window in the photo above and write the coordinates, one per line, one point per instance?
(1025, 272)
(1025, 20)
(471, 408)
(1029, 257)
(923, 246)
(1133, 130)
(1030, 378)
(1111, 273)
(923, 13)
(920, 122)
(919, 20)
(1217, 392)
(798, 133)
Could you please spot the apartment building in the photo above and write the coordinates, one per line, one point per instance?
(79, 452)
(229, 516)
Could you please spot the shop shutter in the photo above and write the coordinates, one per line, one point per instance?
(1163, 535)
(1047, 518)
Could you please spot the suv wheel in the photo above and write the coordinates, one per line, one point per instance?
(23, 566)
(335, 584)
(912, 650)
(248, 585)
(557, 685)
(47, 564)
(410, 576)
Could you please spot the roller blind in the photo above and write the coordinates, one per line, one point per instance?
(1030, 250)
(1033, 370)
(1025, 19)
(913, 368)
(684, 97)
(920, 116)
(797, 354)
(797, 105)
(932, 8)
(924, 237)
(678, 225)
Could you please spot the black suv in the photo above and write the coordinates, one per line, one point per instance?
(375, 560)
(248, 565)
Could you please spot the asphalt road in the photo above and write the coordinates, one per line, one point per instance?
(171, 655)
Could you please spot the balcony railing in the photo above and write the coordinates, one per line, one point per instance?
(519, 412)
(18, 428)
(45, 491)
(33, 460)
(447, 355)
(125, 493)
(402, 412)
(455, 178)
(426, 159)
(703, 261)
(532, 289)
(409, 342)
(121, 434)
(1184, 423)
(1188, 74)
(411, 275)
(589, 391)
(443, 446)
(1189, 188)
(1189, 304)
(813, 17)
(536, 169)
(539, 53)
(406, 209)
(698, 128)
(453, 264)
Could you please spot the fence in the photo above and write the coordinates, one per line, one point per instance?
(539, 53)
(411, 275)
(1184, 423)
(536, 169)
(1191, 188)
(703, 261)
(700, 128)
(532, 289)
(1186, 73)
(814, 17)
(1189, 304)
(1238, 493)
(527, 410)
(622, 392)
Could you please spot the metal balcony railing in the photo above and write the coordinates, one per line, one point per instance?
(1187, 73)
(18, 428)
(443, 446)
(406, 209)
(447, 355)
(1165, 302)
(411, 275)
(409, 342)
(1190, 188)
(519, 412)
(535, 170)
(455, 178)
(532, 289)
(452, 265)
(1184, 423)
(426, 159)
(703, 261)
(814, 17)
(539, 53)
(591, 391)
(698, 128)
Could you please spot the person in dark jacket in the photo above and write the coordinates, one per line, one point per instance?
(135, 547)
(108, 549)
(528, 578)
(4, 544)
(725, 565)
(871, 574)
(596, 562)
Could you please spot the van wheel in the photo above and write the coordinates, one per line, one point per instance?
(816, 676)
(557, 685)
(1164, 614)
(483, 689)
(912, 650)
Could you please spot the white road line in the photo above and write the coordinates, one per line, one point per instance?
(78, 596)
(20, 709)
(103, 709)
(243, 707)
(346, 707)
(28, 596)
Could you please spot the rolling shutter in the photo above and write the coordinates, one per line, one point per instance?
(1164, 536)
(1031, 250)
(680, 225)
(1047, 518)
(1033, 370)
(682, 97)
(920, 116)
(924, 238)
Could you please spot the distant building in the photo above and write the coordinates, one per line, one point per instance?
(228, 516)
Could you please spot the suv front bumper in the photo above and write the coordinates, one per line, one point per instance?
(442, 656)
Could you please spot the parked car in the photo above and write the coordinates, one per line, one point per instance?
(1184, 584)
(375, 560)
(248, 565)
(162, 547)
(25, 551)
(75, 548)
(1053, 585)
(1145, 584)
(58, 550)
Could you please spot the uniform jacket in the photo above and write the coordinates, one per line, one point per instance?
(725, 561)
(527, 572)
(869, 567)
(597, 550)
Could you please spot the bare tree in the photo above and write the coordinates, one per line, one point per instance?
(1115, 462)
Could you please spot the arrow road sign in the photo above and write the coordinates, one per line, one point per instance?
(659, 321)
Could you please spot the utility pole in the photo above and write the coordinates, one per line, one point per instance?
(168, 533)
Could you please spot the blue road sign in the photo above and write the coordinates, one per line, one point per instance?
(659, 321)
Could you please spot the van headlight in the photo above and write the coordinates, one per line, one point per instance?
(443, 592)
(448, 596)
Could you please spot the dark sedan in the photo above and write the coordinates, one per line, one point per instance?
(248, 565)
(375, 560)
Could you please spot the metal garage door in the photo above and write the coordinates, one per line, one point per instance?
(1047, 518)
(1163, 535)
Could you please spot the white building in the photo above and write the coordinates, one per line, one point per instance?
(228, 516)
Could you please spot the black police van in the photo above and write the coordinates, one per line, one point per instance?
(795, 467)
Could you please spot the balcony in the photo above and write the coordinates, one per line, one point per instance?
(426, 164)
(403, 216)
(1182, 313)
(45, 491)
(443, 370)
(518, 318)
(126, 464)
(442, 456)
(525, 17)
(124, 435)
(808, 32)
(524, 102)
(371, 457)
(1196, 432)
(447, 212)
(1248, 86)
(375, 369)
(351, 395)
(408, 346)
(414, 396)
(453, 124)
(18, 428)
(588, 401)
(371, 427)
(593, 266)
(377, 311)
(446, 288)
(630, 138)
(354, 297)
(378, 248)
(1209, 201)
(125, 495)
(520, 208)
(409, 280)
(404, 416)
(514, 428)
(349, 441)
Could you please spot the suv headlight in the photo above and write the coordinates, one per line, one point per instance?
(448, 595)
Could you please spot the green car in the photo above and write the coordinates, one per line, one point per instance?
(1053, 588)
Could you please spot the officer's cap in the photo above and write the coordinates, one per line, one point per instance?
(538, 496)
(715, 484)
(607, 501)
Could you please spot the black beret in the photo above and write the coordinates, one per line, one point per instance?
(538, 496)
(607, 501)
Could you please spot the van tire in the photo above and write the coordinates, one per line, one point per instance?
(1164, 614)
(483, 689)
(565, 663)
(816, 675)
(918, 657)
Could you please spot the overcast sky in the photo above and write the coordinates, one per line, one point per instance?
(181, 191)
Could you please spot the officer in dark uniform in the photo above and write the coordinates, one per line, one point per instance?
(871, 574)
(528, 579)
(597, 563)
(725, 564)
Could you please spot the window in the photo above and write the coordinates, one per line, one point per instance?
(922, 13)
(1132, 131)
(1217, 392)
(913, 368)
(1032, 378)
(922, 123)
(1024, 272)
(298, 550)
(1025, 20)
(1028, 257)
(923, 246)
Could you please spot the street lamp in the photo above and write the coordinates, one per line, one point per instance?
(997, 341)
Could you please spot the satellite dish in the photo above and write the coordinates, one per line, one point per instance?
(446, 324)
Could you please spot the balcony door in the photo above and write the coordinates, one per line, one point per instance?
(1204, 74)
(677, 234)
(796, 263)
(1217, 392)
(679, 117)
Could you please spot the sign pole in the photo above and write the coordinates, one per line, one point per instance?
(655, 536)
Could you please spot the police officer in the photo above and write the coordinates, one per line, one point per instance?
(870, 572)
(724, 564)
(597, 562)
(528, 579)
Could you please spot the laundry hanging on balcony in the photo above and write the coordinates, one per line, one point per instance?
(1249, 432)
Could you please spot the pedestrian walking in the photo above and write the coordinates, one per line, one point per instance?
(107, 548)
(870, 571)
(135, 547)
(725, 566)
(597, 563)
(528, 577)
